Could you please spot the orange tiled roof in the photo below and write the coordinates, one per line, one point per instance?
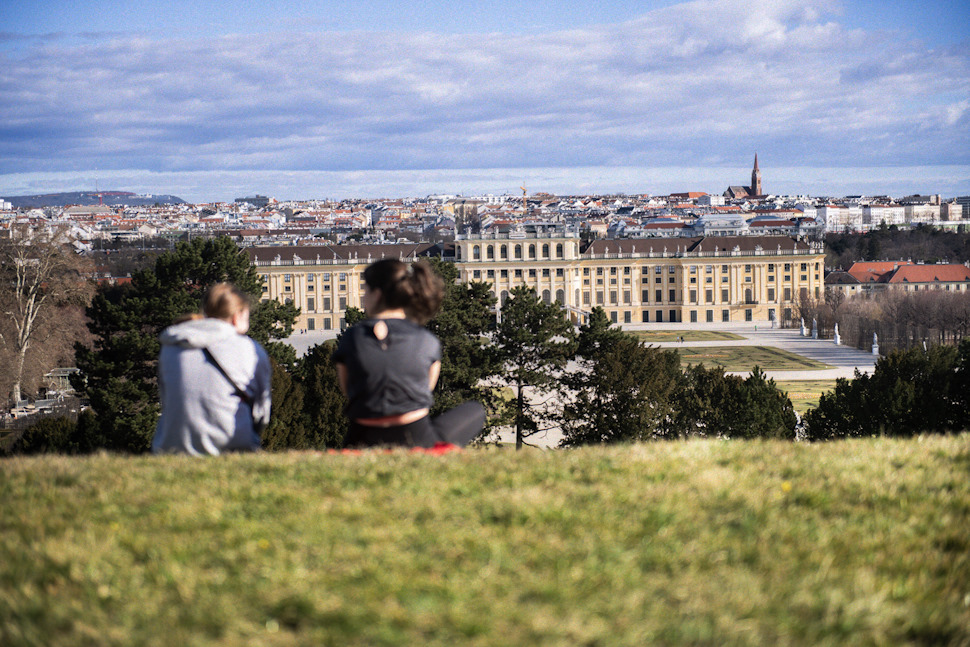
(949, 273)
(874, 271)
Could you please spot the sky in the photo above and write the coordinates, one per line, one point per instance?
(213, 100)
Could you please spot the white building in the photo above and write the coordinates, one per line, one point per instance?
(874, 215)
(712, 200)
(916, 213)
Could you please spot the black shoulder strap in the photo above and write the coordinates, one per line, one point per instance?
(242, 394)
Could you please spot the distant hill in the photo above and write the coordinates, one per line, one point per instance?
(113, 198)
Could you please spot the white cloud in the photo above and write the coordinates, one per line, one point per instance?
(701, 80)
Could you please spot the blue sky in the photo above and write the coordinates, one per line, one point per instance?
(212, 100)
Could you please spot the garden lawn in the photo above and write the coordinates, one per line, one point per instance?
(657, 336)
(804, 394)
(702, 543)
(745, 358)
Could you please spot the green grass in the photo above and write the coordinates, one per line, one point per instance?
(657, 336)
(804, 394)
(745, 358)
(701, 543)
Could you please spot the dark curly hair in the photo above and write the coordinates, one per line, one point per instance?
(416, 287)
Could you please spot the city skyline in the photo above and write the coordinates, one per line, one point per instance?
(316, 101)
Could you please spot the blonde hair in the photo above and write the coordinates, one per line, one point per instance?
(223, 300)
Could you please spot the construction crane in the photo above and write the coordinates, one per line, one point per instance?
(525, 202)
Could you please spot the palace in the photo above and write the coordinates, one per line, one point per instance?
(703, 279)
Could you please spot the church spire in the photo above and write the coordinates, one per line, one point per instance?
(756, 178)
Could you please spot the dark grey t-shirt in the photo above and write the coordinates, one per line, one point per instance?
(390, 377)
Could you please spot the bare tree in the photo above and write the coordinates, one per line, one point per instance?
(40, 274)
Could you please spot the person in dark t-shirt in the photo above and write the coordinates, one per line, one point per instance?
(388, 364)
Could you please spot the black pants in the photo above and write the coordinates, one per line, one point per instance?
(459, 426)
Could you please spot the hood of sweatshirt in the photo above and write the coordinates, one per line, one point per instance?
(198, 333)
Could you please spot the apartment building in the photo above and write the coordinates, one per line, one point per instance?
(701, 279)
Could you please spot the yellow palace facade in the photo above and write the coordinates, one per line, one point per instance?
(636, 281)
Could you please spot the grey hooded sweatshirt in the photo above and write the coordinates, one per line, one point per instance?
(201, 410)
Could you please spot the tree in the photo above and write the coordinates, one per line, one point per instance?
(767, 411)
(462, 326)
(713, 404)
(286, 429)
(597, 335)
(119, 370)
(40, 274)
(909, 392)
(54, 435)
(325, 422)
(533, 342)
(622, 391)
(352, 315)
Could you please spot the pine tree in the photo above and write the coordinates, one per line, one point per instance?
(623, 391)
(909, 392)
(713, 404)
(533, 342)
(462, 326)
(597, 335)
(286, 429)
(323, 404)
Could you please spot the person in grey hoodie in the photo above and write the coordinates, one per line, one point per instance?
(213, 380)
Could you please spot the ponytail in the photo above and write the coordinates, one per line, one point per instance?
(416, 288)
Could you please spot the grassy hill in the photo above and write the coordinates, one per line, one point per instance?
(702, 543)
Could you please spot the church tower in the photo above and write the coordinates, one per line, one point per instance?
(756, 178)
